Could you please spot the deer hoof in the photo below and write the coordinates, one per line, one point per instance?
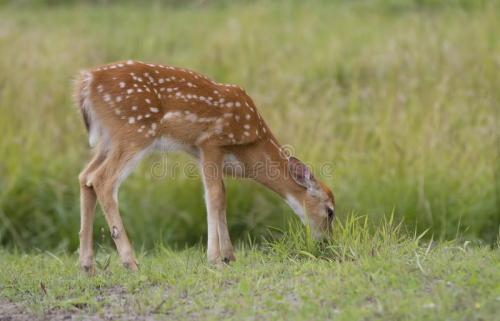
(89, 269)
(228, 259)
(132, 266)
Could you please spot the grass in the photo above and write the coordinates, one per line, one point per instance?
(400, 99)
(360, 274)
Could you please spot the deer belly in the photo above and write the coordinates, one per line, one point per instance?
(168, 144)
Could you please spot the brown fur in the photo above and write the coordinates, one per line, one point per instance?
(129, 106)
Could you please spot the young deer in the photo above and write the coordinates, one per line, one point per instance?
(131, 108)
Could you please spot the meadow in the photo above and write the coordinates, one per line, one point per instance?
(358, 275)
(400, 99)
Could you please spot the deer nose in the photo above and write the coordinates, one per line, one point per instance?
(331, 214)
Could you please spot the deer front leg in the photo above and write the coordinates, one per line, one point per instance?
(226, 247)
(219, 247)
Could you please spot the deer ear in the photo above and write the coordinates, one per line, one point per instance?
(300, 173)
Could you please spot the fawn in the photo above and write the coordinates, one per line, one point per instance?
(131, 108)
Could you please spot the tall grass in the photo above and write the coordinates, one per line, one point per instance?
(403, 103)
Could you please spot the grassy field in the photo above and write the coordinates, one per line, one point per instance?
(401, 98)
(356, 276)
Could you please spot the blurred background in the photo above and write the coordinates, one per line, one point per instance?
(402, 97)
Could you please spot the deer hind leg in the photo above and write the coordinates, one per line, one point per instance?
(107, 178)
(219, 247)
(87, 212)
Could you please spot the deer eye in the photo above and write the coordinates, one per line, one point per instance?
(330, 213)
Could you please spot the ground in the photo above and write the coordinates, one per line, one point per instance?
(381, 275)
(389, 101)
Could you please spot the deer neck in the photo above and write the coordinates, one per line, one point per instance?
(269, 164)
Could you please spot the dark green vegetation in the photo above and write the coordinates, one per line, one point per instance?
(360, 275)
(401, 97)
